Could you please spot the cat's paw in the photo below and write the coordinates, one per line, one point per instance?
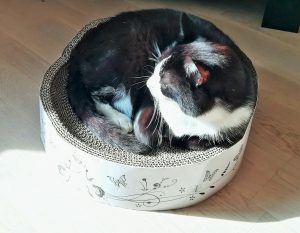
(147, 137)
(117, 118)
(147, 130)
(123, 122)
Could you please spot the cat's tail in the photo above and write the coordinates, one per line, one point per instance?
(106, 132)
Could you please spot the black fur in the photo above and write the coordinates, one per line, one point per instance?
(108, 58)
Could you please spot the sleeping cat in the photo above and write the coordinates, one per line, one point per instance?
(158, 72)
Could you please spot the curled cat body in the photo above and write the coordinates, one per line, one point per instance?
(144, 74)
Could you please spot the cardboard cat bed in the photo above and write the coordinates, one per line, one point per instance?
(166, 179)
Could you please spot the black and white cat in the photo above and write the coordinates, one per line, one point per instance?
(158, 71)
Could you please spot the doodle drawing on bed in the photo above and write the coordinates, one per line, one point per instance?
(137, 80)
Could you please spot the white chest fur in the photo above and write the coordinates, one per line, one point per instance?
(210, 123)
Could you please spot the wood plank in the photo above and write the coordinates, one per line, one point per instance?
(281, 195)
(99, 8)
(41, 32)
(18, 110)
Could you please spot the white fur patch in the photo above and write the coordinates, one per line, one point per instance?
(210, 123)
(190, 68)
(209, 55)
(119, 119)
(153, 83)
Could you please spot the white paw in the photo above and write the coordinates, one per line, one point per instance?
(122, 121)
(117, 118)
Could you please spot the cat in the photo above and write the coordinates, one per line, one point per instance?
(149, 73)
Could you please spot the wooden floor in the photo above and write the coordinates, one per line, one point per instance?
(263, 197)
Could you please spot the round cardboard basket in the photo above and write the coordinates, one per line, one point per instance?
(166, 179)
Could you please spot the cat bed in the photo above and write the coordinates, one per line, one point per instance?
(166, 179)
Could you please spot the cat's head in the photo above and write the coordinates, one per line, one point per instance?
(199, 77)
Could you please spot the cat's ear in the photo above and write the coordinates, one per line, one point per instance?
(196, 71)
(187, 27)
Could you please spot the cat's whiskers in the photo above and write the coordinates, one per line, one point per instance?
(158, 119)
(149, 71)
(144, 79)
(153, 115)
(156, 49)
(142, 86)
(152, 67)
(141, 77)
(155, 55)
(140, 82)
(159, 122)
(153, 59)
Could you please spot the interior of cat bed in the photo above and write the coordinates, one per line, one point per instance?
(165, 179)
